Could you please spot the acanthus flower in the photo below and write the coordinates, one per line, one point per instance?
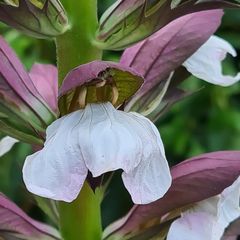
(195, 181)
(174, 53)
(209, 218)
(98, 138)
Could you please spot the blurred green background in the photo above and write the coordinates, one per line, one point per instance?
(207, 121)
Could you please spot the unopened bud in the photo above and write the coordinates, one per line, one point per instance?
(37, 18)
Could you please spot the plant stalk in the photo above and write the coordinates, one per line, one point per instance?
(80, 219)
(75, 46)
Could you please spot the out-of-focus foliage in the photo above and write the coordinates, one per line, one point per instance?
(207, 121)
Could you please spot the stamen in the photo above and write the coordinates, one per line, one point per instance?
(82, 97)
(101, 84)
(115, 94)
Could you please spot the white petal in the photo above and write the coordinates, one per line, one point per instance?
(58, 170)
(208, 219)
(6, 144)
(206, 62)
(107, 141)
(101, 139)
(151, 179)
(192, 226)
(112, 139)
(229, 204)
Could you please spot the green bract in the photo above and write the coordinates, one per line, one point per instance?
(98, 81)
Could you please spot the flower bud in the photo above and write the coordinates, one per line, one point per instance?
(24, 114)
(37, 18)
(127, 22)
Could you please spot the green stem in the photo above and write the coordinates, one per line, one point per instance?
(75, 46)
(80, 219)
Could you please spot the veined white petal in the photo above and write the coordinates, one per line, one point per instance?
(6, 144)
(101, 139)
(58, 170)
(112, 139)
(151, 179)
(206, 62)
(208, 219)
(107, 141)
